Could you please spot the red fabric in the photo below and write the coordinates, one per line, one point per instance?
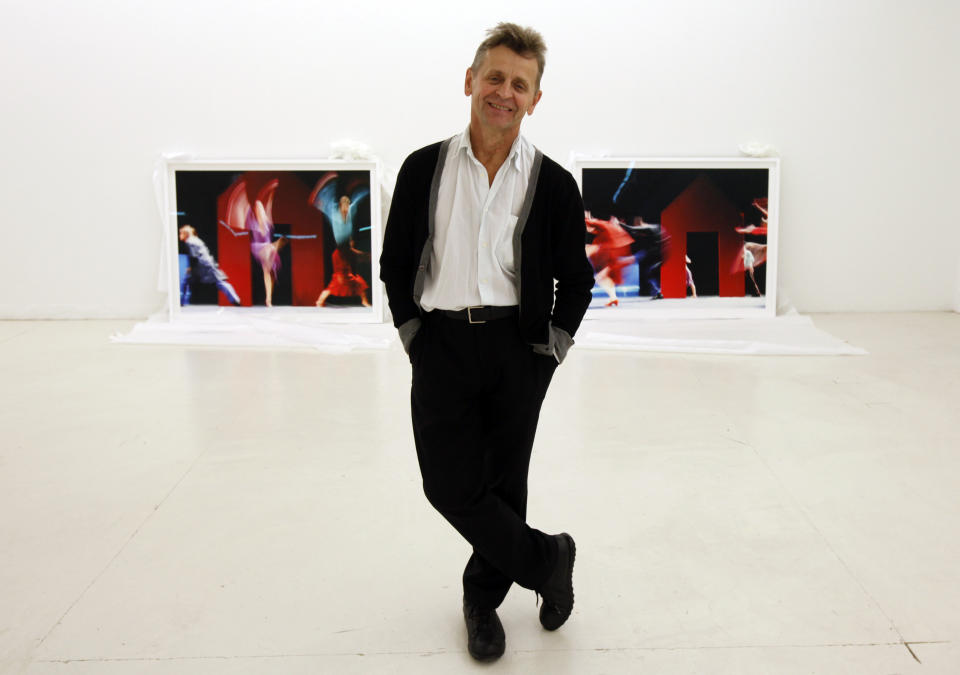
(344, 282)
(289, 206)
(612, 248)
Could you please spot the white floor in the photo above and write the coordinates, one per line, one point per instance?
(186, 510)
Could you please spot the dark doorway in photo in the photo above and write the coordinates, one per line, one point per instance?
(703, 251)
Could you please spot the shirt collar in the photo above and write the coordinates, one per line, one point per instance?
(515, 154)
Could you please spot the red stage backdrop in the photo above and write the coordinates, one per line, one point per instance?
(702, 208)
(290, 207)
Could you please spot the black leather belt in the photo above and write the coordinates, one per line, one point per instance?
(481, 314)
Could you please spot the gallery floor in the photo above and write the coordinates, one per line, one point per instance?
(172, 510)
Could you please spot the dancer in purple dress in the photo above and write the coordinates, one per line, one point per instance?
(266, 251)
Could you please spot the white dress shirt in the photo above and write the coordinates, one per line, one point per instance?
(471, 262)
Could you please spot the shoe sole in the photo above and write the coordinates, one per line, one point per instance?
(485, 659)
(573, 559)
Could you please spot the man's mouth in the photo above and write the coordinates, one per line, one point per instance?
(499, 107)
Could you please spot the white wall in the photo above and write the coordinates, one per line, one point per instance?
(860, 96)
(956, 297)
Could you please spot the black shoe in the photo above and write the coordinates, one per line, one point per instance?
(558, 591)
(485, 638)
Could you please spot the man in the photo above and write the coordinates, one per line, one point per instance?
(487, 279)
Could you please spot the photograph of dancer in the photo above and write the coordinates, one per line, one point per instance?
(754, 252)
(199, 269)
(264, 248)
(761, 206)
(625, 258)
(345, 282)
(691, 287)
(648, 249)
(346, 258)
(259, 231)
(609, 253)
(624, 244)
(707, 247)
(754, 255)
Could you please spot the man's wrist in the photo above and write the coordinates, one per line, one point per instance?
(408, 330)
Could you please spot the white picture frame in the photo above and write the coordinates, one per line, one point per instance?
(277, 236)
(658, 224)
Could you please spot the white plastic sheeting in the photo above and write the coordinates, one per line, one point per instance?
(258, 328)
(785, 335)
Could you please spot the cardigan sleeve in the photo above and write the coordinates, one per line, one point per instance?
(572, 270)
(400, 257)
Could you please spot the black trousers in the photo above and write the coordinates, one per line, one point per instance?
(475, 399)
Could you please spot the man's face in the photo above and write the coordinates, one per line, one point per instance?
(503, 90)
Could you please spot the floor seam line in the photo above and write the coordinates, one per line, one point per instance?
(516, 651)
(806, 515)
(15, 336)
(122, 548)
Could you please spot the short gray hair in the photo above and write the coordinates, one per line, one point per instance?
(524, 41)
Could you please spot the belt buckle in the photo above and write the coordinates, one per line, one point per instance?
(470, 316)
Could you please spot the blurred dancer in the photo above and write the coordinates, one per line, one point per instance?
(690, 284)
(203, 268)
(754, 255)
(761, 206)
(345, 282)
(340, 212)
(609, 253)
(648, 250)
(263, 248)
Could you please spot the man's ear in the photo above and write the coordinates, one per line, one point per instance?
(468, 82)
(536, 100)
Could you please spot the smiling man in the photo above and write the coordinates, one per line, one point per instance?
(487, 280)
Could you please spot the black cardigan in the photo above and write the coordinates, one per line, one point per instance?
(551, 247)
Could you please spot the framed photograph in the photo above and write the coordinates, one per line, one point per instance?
(281, 236)
(692, 238)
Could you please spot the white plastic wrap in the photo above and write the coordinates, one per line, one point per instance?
(258, 328)
(758, 149)
(784, 335)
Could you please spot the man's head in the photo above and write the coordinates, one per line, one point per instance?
(186, 232)
(504, 80)
(523, 41)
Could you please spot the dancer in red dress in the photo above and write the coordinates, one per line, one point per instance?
(345, 283)
(609, 253)
(761, 205)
